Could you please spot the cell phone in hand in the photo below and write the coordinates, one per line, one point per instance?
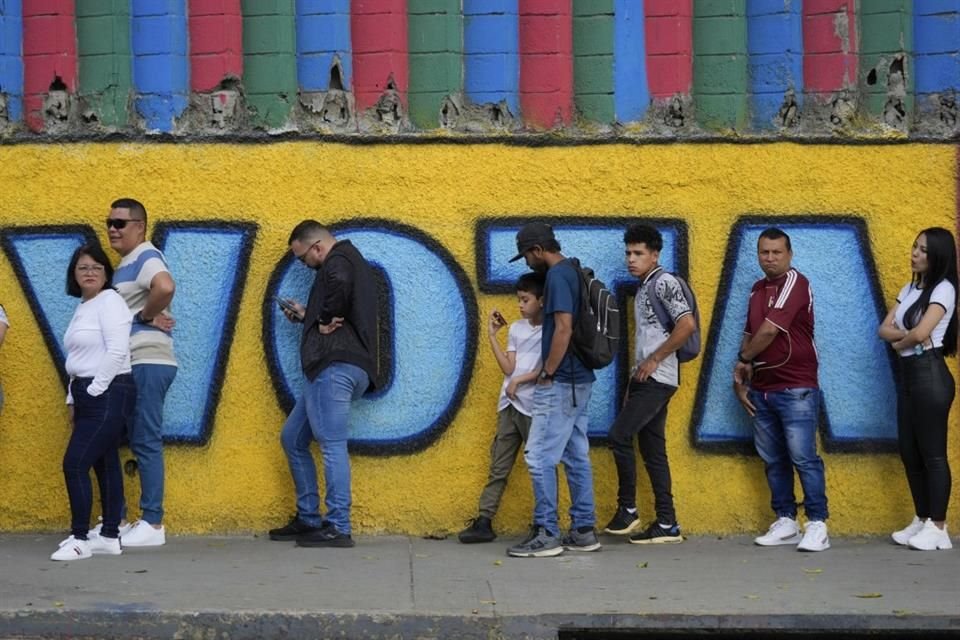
(286, 305)
(499, 318)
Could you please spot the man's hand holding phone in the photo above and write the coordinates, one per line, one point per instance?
(292, 309)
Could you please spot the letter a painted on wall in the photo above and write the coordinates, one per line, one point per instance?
(856, 369)
(428, 337)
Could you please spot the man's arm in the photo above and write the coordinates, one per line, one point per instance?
(753, 346)
(563, 331)
(742, 372)
(159, 298)
(338, 285)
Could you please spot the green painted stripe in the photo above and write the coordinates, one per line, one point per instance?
(269, 60)
(435, 43)
(720, 63)
(593, 87)
(886, 32)
(103, 57)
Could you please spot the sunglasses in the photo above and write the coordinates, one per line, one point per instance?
(303, 256)
(119, 223)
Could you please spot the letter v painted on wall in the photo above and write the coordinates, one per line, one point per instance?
(208, 260)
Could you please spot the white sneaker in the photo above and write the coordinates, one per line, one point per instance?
(142, 534)
(783, 531)
(931, 538)
(72, 549)
(124, 528)
(903, 536)
(100, 545)
(815, 537)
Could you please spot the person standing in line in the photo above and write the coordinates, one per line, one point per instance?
(653, 382)
(922, 328)
(144, 281)
(558, 431)
(520, 364)
(101, 394)
(339, 354)
(775, 379)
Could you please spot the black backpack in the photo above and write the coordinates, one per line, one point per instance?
(691, 348)
(596, 328)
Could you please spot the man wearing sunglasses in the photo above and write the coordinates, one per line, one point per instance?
(339, 356)
(144, 281)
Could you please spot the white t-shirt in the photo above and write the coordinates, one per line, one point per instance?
(148, 345)
(649, 334)
(524, 340)
(943, 294)
(98, 341)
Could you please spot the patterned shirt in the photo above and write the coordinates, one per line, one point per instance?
(649, 334)
(148, 345)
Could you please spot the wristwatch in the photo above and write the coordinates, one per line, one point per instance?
(544, 375)
(139, 319)
(742, 359)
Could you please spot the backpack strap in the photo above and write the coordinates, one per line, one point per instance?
(663, 316)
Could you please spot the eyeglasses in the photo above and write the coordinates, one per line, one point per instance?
(119, 223)
(303, 256)
(90, 268)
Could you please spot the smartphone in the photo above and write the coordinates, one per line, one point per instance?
(499, 317)
(286, 305)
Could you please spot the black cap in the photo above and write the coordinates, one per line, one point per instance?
(532, 234)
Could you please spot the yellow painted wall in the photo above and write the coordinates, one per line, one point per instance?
(239, 480)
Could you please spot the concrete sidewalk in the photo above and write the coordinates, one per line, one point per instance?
(400, 587)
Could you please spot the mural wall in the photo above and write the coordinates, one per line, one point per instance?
(646, 68)
(438, 219)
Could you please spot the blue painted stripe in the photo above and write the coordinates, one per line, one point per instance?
(775, 49)
(11, 62)
(491, 46)
(323, 35)
(631, 93)
(160, 65)
(936, 41)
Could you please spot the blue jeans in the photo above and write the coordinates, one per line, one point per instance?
(558, 434)
(321, 414)
(145, 433)
(785, 434)
(98, 424)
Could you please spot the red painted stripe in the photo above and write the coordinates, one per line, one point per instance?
(49, 52)
(546, 62)
(829, 60)
(378, 30)
(668, 26)
(216, 42)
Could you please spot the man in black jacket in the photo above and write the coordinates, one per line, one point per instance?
(339, 356)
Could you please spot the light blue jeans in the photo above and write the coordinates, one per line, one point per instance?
(558, 434)
(145, 433)
(321, 414)
(785, 434)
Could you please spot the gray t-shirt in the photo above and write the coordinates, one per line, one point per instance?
(649, 333)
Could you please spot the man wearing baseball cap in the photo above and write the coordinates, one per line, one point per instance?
(558, 432)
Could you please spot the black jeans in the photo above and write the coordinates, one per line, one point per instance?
(645, 415)
(923, 403)
(98, 424)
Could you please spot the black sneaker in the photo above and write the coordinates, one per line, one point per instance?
(480, 529)
(326, 536)
(292, 530)
(655, 534)
(623, 523)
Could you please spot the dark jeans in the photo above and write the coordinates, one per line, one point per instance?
(644, 415)
(98, 424)
(923, 403)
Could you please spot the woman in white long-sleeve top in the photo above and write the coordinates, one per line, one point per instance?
(102, 394)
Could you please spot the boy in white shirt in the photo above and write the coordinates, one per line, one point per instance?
(520, 364)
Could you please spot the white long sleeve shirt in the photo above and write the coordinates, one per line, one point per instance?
(98, 341)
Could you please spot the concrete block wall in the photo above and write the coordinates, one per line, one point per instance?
(710, 68)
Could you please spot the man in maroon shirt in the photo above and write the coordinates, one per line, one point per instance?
(775, 380)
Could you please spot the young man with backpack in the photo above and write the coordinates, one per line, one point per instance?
(558, 432)
(666, 322)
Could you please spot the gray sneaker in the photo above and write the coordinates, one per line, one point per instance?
(542, 545)
(581, 541)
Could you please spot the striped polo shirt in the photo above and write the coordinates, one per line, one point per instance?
(148, 345)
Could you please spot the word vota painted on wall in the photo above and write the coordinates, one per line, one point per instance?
(429, 321)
